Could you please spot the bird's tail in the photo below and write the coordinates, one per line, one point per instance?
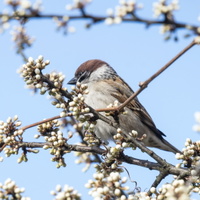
(169, 147)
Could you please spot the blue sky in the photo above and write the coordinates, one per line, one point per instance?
(135, 53)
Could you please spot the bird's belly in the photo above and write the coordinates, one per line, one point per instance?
(98, 100)
(127, 122)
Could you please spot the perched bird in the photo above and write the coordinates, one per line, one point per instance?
(105, 87)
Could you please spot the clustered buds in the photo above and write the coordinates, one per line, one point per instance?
(11, 139)
(65, 193)
(20, 37)
(77, 4)
(112, 105)
(20, 8)
(115, 104)
(121, 140)
(90, 136)
(191, 153)
(86, 158)
(81, 112)
(91, 139)
(10, 135)
(107, 179)
(33, 76)
(9, 190)
(191, 156)
(54, 140)
(31, 72)
(178, 189)
(124, 8)
(77, 105)
(46, 128)
(108, 185)
(162, 7)
(62, 23)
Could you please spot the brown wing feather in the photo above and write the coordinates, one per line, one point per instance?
(122, 94)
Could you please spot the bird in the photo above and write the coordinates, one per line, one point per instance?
(105, 86)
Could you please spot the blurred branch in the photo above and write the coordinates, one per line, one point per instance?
(98, 19)
(169, 24)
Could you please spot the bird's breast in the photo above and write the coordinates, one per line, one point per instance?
(99, 95)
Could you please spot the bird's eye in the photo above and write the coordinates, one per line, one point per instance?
(82, 76)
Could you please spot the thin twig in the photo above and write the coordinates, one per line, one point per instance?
(40, 122)
(144, 84)
(21, 52)
(158, 179)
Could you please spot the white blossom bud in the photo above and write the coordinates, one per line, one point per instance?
(38, 85)
(37, 71)
(72, 103)
(119, 130)
(58, 188)
(152, 189)
(87, 110)
(38, 77)
(38, 65)
(9, 120)
(124, 179)
(18, 123)
(100, 190)
(30, 60)
(20, 132)
(15, 118)
(36, 136)
(63, 114)
(47, 62)
(45, 147)
(109, 21)
(53, 193)
(106, 189)
(117, 192)
(40, 58)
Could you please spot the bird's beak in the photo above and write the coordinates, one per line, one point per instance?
(72, 81)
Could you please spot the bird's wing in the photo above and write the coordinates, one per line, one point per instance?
(122, 92)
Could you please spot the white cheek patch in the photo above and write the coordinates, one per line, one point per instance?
(103, 72)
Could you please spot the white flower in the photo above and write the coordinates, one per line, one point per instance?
(109, 21)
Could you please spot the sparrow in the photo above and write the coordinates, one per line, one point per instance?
(105, 87)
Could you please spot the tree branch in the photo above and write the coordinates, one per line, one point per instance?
(144, 84)
(124, 158)
(158, 179)
(98, 19)
(41, 122)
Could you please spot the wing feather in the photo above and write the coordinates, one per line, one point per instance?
(122, 94)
